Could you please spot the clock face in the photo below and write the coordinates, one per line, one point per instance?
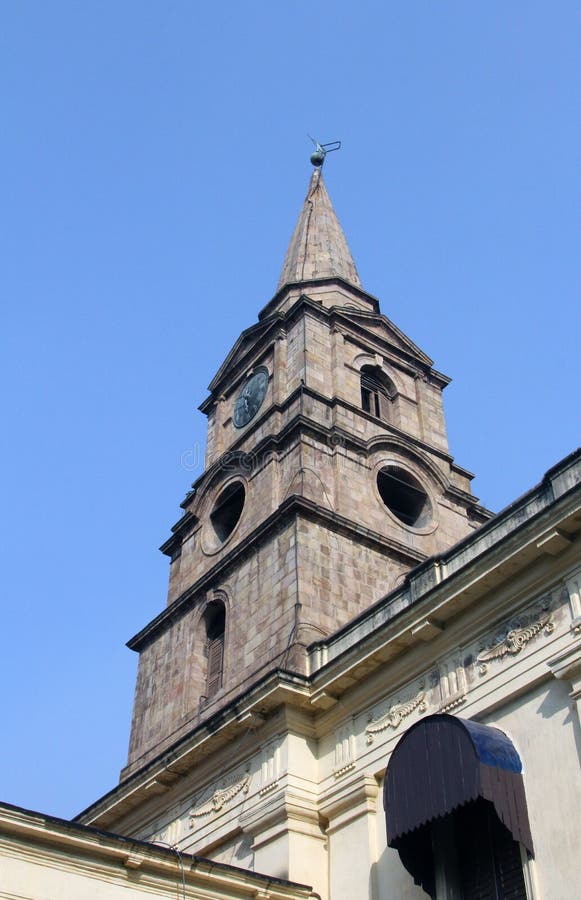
(250, 398)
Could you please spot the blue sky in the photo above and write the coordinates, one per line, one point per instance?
(154, 159)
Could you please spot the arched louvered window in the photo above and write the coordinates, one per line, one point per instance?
(377, 392)
(215, 619)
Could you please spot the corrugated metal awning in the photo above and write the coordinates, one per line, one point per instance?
(444, 762)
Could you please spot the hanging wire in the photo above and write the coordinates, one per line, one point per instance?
(178, 853)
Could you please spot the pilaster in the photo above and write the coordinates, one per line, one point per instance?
(280, 367)
(567, 666)
(350, 814)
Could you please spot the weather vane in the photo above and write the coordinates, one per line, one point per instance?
(321, 150)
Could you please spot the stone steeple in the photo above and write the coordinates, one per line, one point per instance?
(318, 248)
(327, 479)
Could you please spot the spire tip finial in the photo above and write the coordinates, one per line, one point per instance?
(321, 150)
(318, 249)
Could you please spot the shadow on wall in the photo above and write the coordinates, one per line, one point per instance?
(389, 879)
(557, 700)
(244, 855)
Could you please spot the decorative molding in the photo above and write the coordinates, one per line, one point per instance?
(428, 629)
(452, 702)
(453, 685)
(567, 663)
(554, 542)
(515, 640)
(395, 715)
(346, 802)
(270, 767)
(268, 788)
(169, 833)
(342, 770)
(573, 593)
(219, 799)
(345, 750)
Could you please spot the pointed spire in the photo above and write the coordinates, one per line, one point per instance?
(318, 248)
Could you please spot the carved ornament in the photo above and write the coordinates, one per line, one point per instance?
(395, 715)
(342, 770)
(515, 640)
(268, 788)
(454, 685)
(452, 702)
(219, 799)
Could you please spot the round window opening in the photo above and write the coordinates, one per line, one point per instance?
(227, 511)
(404, 496)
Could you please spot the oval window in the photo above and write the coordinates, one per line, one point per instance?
(227, 511)
(404, 496)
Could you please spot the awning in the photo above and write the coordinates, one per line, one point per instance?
(443, 762)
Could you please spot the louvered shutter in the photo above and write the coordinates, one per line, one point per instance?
(374, 395)
(475, 859)
(508, 864)
(489, 858)
(384, 406)
(215, 663)
(370, 394)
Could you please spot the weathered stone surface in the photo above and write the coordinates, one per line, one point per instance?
(318, 248)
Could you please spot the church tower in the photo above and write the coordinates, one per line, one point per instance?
(327, 478)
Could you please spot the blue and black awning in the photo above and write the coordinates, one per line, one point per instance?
(444, 762)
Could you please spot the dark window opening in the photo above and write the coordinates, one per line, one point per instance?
(215, 618)
(489, 860)
(468, 855)
(370, 400)
(404, 496)
(377, 392)
(228, 510)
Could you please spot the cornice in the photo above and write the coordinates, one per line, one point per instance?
(287, 810)
(317, 282)
(294, 505)
(279, 439)
(350, 800)
(268, 694)
(413, 356)
(430, 597)
(567, 663)
(262, 331)
(80, 842)
(433, 595)
(266, 330)
(182, 527)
